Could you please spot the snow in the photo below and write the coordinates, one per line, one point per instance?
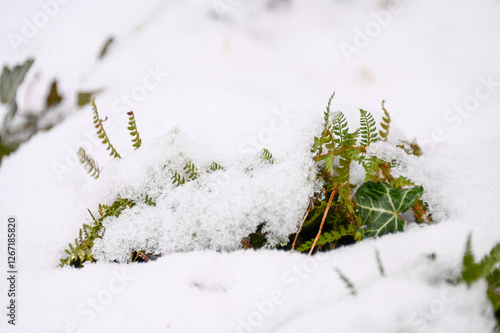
(214, 211)
(223, 89)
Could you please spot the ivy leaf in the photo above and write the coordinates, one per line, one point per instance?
(380, 205)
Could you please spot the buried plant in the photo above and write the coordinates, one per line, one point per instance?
(344, 212)
(486, 269)
(341, 212)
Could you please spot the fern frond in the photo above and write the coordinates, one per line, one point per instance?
(401, 182)
(329, 237)
(101, 133)
(384, 124)
(368, 129)
(177, 179)
(340, 128)
(149, 201)
(327, 112)
(132, 128)
(216, 166)
(191, 170)
(344, 168)
(266, 155)
(88, 163)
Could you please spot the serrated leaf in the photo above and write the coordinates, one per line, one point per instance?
(380, 205)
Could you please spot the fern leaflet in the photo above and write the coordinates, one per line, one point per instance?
(88, 163)
(340, 128)
(136, 139)
(368, 129)
(216, 166)
(177, 179)
(328, 238)
(384, 124)
(327, 112)
(191, 170)
(101, 133)
(267, 156)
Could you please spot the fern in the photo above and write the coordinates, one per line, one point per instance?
(177, 179)
(191, 170)
(327, 112)
(267, 156)
(149, 201)
(82, 251)
(487, 269)
(215, 166)
(401, 182)
(328, 238)
(136, 139)
(101, 133)
(340, 129)
(384, 124)
(343, 147)
(88, 163)
(368, 129)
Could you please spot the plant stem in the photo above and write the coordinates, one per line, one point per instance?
(323, 221)
(301, 225)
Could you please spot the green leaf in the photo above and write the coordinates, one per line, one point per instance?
(368, 128)
(380, 205)
(266, 156)
(11, 79)
(85, 98)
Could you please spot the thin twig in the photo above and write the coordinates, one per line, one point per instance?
(311, 206)
(322, 221)
(301, 225)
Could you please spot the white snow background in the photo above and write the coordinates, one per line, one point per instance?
(260, 75)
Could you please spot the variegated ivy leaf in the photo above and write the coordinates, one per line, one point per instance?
(380, 205)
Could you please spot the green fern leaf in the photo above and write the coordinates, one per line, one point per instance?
(267, 156)
(191, 170)
(177, 180)
(340, 128)
(215, 166)
(137, 142)
(101, 133)
(368, 129)
(329, 237)
(88, 163)
(384, 124)
(327, 112)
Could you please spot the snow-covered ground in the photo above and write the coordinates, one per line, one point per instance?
(236, 76)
